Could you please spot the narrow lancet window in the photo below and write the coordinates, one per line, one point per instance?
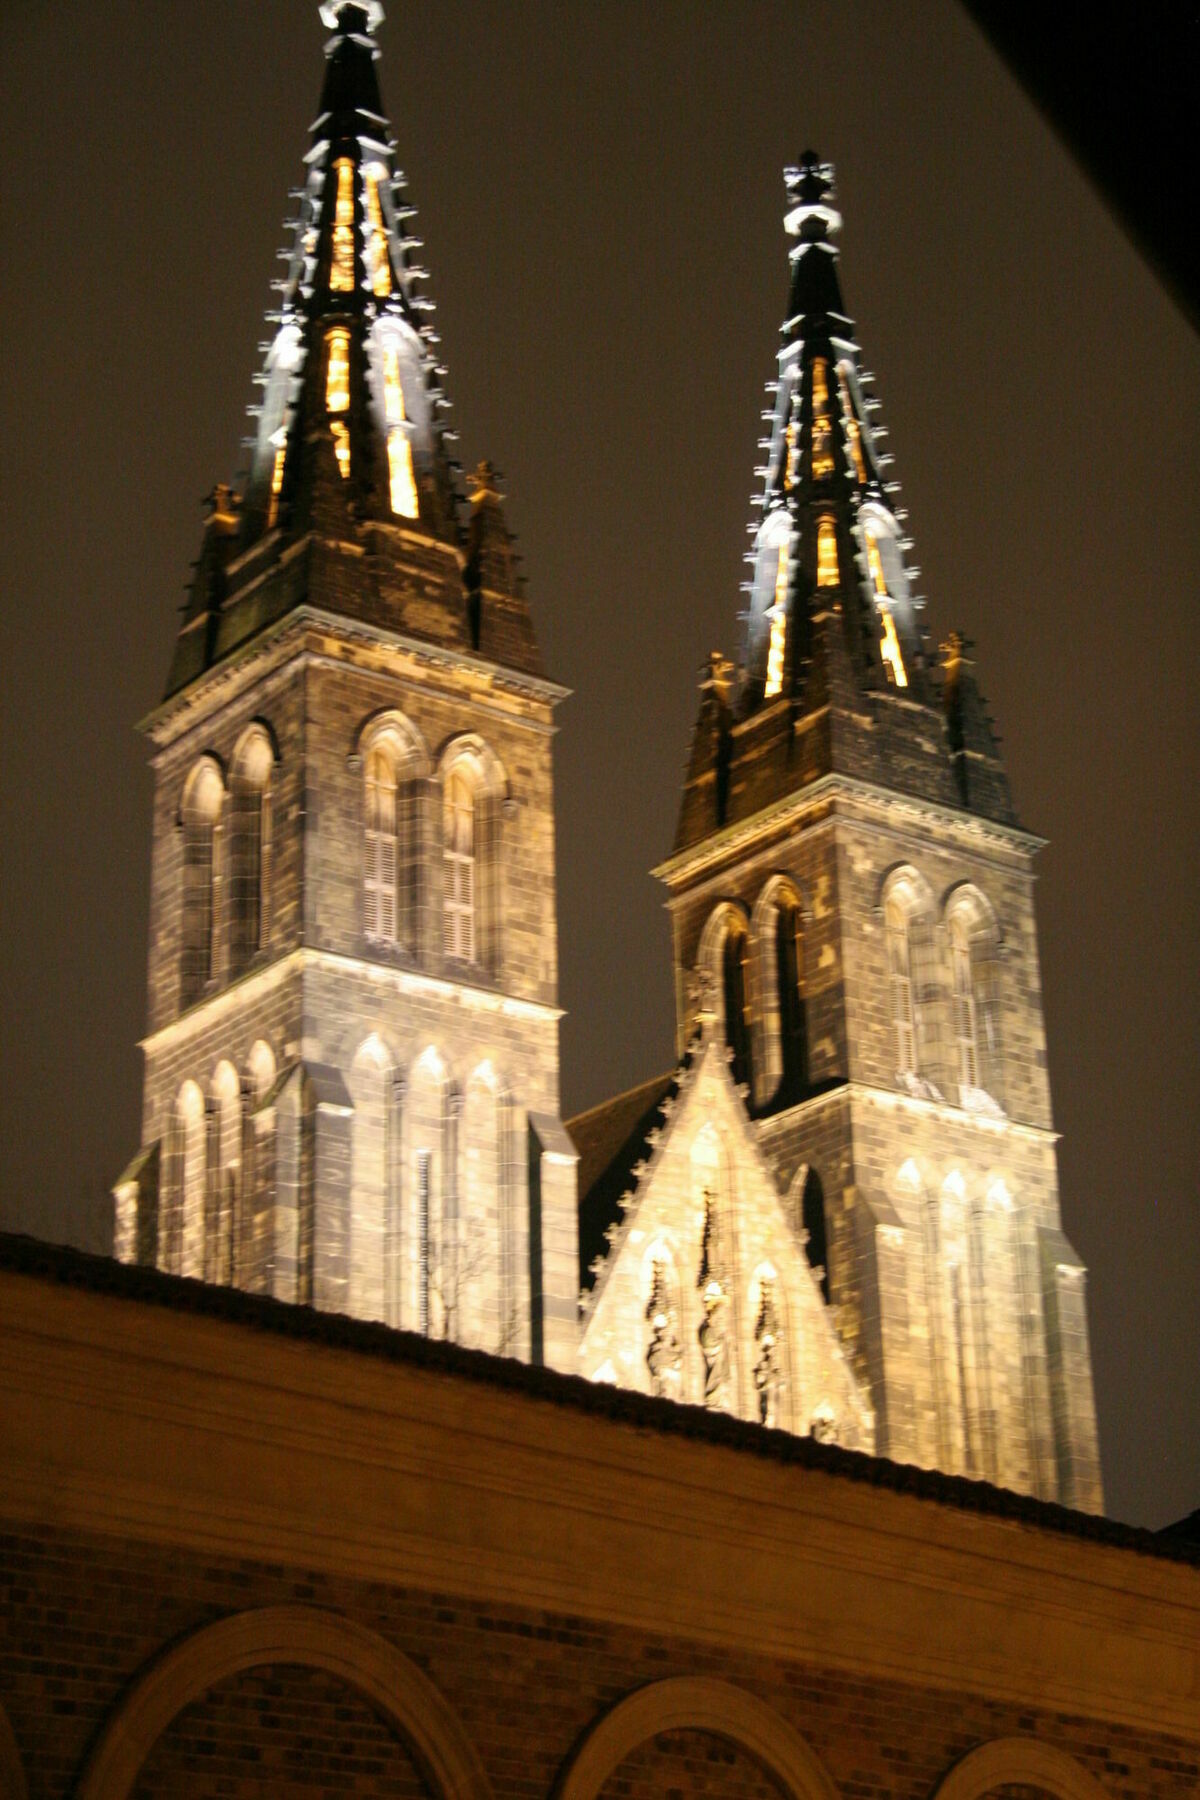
(827, 556)
(893, 661)
(401, 476)
(822, 431)
(337, 394)
(276, 484)
(459, 830)
(778, 640)
(341, 273)
(379, 882)
(900, 978)
(381, 273)
(853, 434)
(965, 1015)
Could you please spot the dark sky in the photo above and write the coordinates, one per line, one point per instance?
(600, 197)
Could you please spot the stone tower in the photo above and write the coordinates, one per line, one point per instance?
(351, 1093)
(849, 878)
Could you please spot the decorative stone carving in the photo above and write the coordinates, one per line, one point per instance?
(664, 1352)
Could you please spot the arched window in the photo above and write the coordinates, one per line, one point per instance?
(379, 871)
(186, 1183)
(458, 839)
(250, 849)
(780, 1039)
(487, 1297)
(224, 1172)
(201, 813)
(915, 999)
(473, 791)
(789, 977)
(903, 1009)
(974, 949)
(431, 1226)
(733, 990)
(371, 1183)
(828, 574)
(393, 764)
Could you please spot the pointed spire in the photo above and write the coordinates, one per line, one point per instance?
(353, 346)
(829, 535)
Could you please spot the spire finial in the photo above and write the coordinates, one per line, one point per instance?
(369, 15)
(810, 189)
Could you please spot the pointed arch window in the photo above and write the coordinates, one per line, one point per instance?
(201, 815)
(250, 849)
(900, 982)
(458, 826)
(822, 429)
(186, 1182)
(827, 556)
(380, 847)
(401, 476)
(337, 394)
(889, 649)
(381, 272)
(853, 431)
(733, 988)
(778, 639)
(341, 272)
(974, 953)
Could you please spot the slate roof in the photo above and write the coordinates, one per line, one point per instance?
(149, 1287)
(611, 1140)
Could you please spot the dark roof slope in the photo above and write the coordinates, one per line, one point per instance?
(148, 1287)
(611, 1141)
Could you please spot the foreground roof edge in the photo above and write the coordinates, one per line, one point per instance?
(68, 1267)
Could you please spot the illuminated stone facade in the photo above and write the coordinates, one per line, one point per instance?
(840, 1216)
(706, 1295)
(351, 1092)
(850, 886)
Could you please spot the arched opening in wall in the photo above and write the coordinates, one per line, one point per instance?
(310, 1659)
(458, 849)
(371, 1182)
(664, 1320)
(814, 1224)
(185, 1183)
(225, 1173)
(487, 1298)
(393, 762)
(914, 997)
(431, 1215)
(250, 848)
(722, 967)
(973, 940)
(780, 1034)
(200, 816)
(258, 1162)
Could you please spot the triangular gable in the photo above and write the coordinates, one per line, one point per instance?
(705, 1293)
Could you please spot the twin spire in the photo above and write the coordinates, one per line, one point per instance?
(829, 540)
(353, 360)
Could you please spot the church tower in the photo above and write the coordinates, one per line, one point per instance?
(850, 882)
(351, 1090)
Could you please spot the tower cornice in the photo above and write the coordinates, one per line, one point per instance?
(833, 795)
(276, 645)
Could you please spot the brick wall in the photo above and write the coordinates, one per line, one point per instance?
(82, 1615)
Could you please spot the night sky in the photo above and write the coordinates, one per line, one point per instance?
(600, 196)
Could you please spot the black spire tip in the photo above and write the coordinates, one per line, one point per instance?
(351, 17)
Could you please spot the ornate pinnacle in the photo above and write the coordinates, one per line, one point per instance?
(810, 191)
(370, 14)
